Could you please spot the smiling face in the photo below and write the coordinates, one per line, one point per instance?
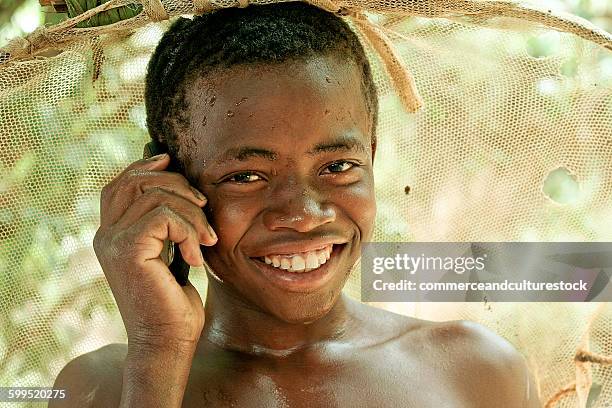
(284, 155)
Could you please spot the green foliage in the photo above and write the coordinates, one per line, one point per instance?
(76, 7)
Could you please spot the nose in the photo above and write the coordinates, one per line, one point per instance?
(299, 207)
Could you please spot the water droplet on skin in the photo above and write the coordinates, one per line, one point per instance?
(327, 111)
(230, 113)
(212, 101)
(328, 80)
(241, 101)
(204, 121)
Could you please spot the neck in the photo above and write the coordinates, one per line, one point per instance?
(234, 324)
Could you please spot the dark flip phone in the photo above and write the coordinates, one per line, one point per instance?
(178, 266)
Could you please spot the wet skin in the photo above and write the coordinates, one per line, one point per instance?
(284, 156)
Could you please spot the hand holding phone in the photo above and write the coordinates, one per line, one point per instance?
(140, 209)
(173, 258)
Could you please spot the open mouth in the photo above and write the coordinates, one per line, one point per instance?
(303, 271)
(299, 262)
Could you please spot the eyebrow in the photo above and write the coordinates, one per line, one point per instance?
(342, 143)
(246, 152)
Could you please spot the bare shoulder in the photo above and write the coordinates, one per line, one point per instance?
(487, 368)
(481, 367)
(389, 325)
(93, 379)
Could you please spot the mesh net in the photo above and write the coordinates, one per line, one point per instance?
(512, 143)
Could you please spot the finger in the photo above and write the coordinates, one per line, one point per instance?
(135, 182)
(156, 162)
(159, 162)
(173, 182)
(162, 223)
(156, 197)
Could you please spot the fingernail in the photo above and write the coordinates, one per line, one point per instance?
(158, 157)
(212, 232)
(198, 195)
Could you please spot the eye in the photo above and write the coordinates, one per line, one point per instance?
(243, 178)
(339, 167)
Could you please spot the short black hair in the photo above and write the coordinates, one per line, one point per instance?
(258, 34)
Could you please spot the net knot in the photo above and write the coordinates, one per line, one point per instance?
(26, 46)
(154, 9)
(202, 6)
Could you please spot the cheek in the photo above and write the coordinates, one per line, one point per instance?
(231, 216)
(359, 203)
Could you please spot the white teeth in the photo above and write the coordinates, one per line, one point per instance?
(312, 260)
(298, 263)
(304, 262)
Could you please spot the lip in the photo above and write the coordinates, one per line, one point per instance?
(301, 282)
(292, 248)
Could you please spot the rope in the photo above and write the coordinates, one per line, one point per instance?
(44, 38)
(584, 356)
(400, 75)
(562, 393)
(154, 10)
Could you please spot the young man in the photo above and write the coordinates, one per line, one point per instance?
(269, 113)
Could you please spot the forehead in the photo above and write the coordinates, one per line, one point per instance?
(320, 74)
(283, 103)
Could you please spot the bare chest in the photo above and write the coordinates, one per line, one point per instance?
(364, 381)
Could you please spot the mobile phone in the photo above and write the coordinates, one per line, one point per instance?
(178, 266)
